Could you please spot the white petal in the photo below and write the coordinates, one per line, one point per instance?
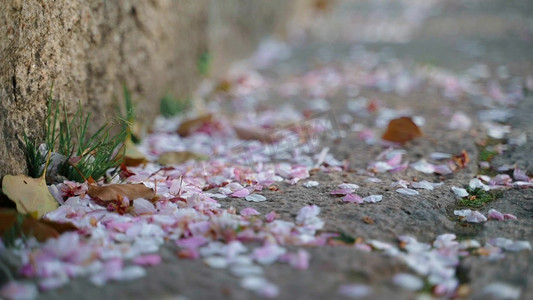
(408, 281)
(255, 198)
(407, 191)
(373, 198)
(459, 192)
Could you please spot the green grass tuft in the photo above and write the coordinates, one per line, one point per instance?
(170, 106)
(478, 198)
(85, 155)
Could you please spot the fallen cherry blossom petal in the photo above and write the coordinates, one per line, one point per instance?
(299, 260)
(470, 215)
(354, 290)
(192, 242)
(476, 183)
(352, 198)
(407, 191)
(509, 217)
(261, 286)
(476, 217)
(310, 183)
(423, 166)
(241, 193)
(500, 290)
(520, 175)
(216, 262)
(373, 198)
(18, 290)
(439, 155)
(268, 254)
(255, 198)
(348, 186)
(459, 192)
(249, 212)
(271, 216)
(408, 281)
(147, 260)
(143, 206)
(495, 215)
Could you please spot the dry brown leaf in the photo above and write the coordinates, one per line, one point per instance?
(40, 229)
(31, 195)
(461, 160)
(368, 220)
(189, 126)
(173, 158)
(132, 156)
(257, 134)
(402, 130)
(113, 191)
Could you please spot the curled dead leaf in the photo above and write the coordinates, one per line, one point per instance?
(257, 134)
(40, 229)
(31, 195)
(368, 220)
(189, 126)
(402, 130)
(461, 160)
(132, 156)
(113, 191)
(179, 157)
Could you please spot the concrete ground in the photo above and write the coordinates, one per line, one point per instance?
(442, 35)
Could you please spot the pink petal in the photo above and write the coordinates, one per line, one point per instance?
(495, 215)
(352, 198)
(241, 193)
(520, 175)
(395, 160)
(147, 260)
(192, 242)
(16, 290)
(509, 217)
(249, 212)
(271, 216)
(300, 260)
(268, 254)
(199, 228)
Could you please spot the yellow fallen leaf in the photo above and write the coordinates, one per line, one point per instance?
(31, 195)
(113, 191)
(174, 158)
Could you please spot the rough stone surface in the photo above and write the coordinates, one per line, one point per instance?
(87, 50)
(237, 26)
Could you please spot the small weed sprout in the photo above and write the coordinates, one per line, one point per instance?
(478, 197)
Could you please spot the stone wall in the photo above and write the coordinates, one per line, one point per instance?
(87, 49)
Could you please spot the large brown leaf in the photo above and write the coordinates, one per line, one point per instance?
(402, 130)
(40, 229)
(113, 191)
(258, 134)
(189, 126)
(178, 157)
